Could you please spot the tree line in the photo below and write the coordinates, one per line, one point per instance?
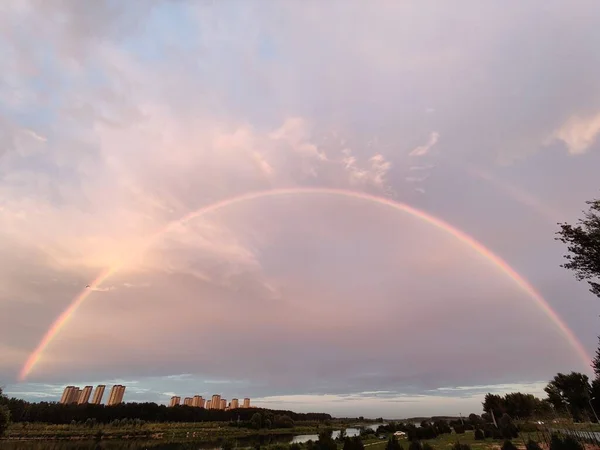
(56, 413)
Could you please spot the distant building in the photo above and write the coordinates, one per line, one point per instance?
(84, 396)
(188, 401)
(208, 404)
(235, 404)
(246, 403)
(215, 402)
(175, 401)
(70, 395)
(198, 401)
(98, 394)
(116, 395)
(223, 404)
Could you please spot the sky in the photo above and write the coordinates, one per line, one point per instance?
(118, 119)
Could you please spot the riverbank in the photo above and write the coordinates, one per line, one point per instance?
(201, 431)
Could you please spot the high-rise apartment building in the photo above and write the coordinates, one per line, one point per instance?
(246, 403)
(215, 402)
(84, 397)
(188, 401)
(98, 394)
(235, 404)
(116, 395)
(223, 404)
(208, 404)
(175, 401)
(70, 395)
(198, 401)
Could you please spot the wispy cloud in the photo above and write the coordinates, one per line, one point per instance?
(424, 149)
(578, 133)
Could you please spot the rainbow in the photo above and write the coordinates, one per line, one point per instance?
(498, 262)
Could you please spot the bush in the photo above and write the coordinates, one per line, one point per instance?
(393, 444)
(227, 445)
(488, 432)
(459, 446)
(295, 446)
(570, 443)
(532, 445)
(508, 445)
(415, 445)
(556, 442)
(459, 429)
(4, 418)
(427, 446)
(479, 436)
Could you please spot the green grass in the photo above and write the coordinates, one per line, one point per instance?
(202, 431)
(446, 441)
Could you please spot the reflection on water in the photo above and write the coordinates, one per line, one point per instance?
(158, 445)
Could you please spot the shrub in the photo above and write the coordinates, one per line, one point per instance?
(427, 446)
(415, 445)
(556, 442)
(532, 445)
(393, 444)
(479, 436)
(459, 446)
(4, 417)
(459, 429)
(508, 445)
(570, 443)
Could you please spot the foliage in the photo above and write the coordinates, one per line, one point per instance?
(460, 446)
(479, 436)
(427, 446)
(55, 413)
(559, 442)
(442, 427)
(508, 445)
(415, 445)
(532, 445)
(507, 427)
(393, 444)
(570, 393)
(459, 429)
(353, 443)
(516, 404)
(475, 419)
(227, 445)
(4, 414)
(583, 245)
(325, 441)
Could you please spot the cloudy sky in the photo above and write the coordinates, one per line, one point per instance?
(117, 119)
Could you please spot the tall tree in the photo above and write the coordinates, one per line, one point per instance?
(596, 361)
(4, 414)
(570, 393)
(583, 245)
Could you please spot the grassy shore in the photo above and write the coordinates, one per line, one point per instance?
(201, 431)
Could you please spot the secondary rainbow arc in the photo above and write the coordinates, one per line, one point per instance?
(501, 265)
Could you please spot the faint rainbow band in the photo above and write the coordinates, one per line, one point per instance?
(64, 317)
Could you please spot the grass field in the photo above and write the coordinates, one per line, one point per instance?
(202, 431)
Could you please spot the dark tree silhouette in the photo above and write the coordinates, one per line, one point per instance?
(570, 393)
(583, 245)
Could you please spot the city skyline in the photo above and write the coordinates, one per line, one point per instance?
(198, 401)
(74, 394)
(200, 198)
